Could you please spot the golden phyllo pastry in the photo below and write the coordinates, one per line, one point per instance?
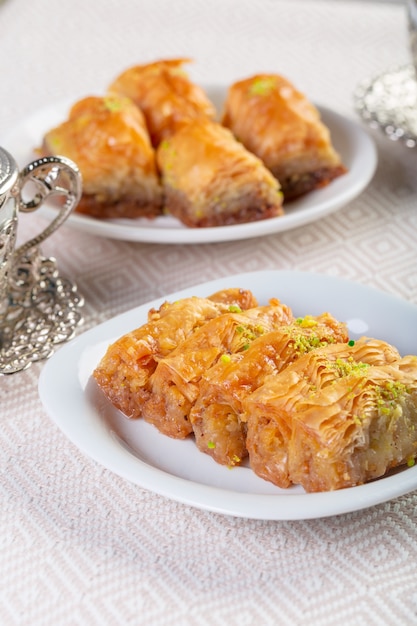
(279, 124)
(373, 431)
(123, 372)
(175, 383)
(216, 415)
(210, 179)
(337, 417)
(306, 404)
(165, 94)
(108, 139)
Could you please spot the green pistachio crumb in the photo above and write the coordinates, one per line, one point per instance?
(113, 104)
(262, 86)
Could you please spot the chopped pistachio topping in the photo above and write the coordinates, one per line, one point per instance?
(113, 104)
(348, 367)
(392, 390)
(211, 445)
(225, 358)
(55, 142)
(307, 322)
(235, 460)
(262, 86)
(305, 344)
(411, 462)
(390, 397)
(248, 334)
(234, 308)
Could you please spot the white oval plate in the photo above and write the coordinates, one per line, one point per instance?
(350, 140)
(176, 469)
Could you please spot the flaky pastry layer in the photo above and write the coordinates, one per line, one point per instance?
(283, 128)
(210, 179)
(108, 139)
(165, 95)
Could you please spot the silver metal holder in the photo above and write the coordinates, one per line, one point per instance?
(43, 311)
(38, 308)
(388, 103)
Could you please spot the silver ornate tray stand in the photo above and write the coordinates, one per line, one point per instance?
(38, 308)
(43, 311)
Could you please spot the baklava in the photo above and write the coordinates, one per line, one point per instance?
(124, 371)
(283, 128)
(210, 179)
(165, 95)
(108, 139)
(216, 415)
(174, 385)
(337, 417)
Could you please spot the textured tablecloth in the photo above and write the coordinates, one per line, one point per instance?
(79, 545)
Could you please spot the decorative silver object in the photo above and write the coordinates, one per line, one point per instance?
(38, 308)
(389, 103)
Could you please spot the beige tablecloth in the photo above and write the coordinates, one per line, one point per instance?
(78, 544)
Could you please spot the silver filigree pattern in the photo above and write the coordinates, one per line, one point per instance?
(43, 311)
(388, 102)
(38, 308)
(52, 177)
(7, 244)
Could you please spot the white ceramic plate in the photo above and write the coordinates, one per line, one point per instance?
(136, 451)
(354, 145)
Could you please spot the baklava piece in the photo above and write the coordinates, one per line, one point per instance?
(216, 416)
(373, 431)
(108, 139)
(279, 124)
(337, 417)
(165, 94)
(124, 371)
(175, 383)
(210, 179)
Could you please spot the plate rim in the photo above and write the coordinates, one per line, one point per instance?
(359, 178)
(208, 497)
